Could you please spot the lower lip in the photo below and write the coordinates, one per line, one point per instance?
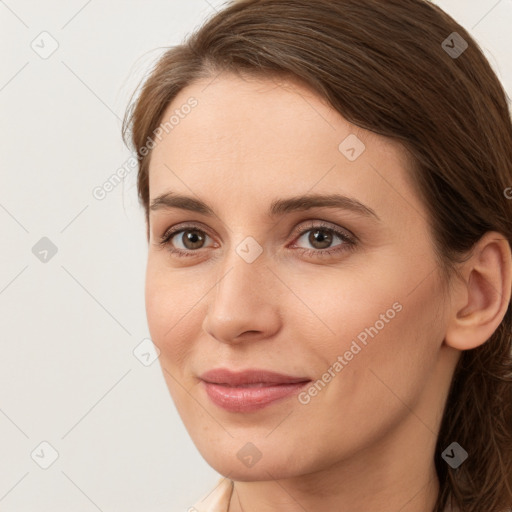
(246, 399)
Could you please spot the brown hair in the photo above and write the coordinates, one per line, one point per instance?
(389, 67)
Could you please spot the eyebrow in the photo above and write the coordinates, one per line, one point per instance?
(170, 200)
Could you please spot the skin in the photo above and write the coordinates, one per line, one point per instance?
(366, 441)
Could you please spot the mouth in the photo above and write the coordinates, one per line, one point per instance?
(249, 390)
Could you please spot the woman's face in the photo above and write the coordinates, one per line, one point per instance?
(344, 295)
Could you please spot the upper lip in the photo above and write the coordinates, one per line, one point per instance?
(251, 376)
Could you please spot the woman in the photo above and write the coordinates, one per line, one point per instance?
(326, 188)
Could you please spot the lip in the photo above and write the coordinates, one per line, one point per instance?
(249, 390)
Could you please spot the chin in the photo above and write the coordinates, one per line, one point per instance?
(230, 463)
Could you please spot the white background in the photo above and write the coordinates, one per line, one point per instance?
(68, 375)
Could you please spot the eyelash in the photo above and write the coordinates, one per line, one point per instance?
(348, 241)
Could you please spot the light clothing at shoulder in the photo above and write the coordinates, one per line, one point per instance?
(217, 500)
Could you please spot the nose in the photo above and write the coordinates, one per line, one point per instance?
(244, 304)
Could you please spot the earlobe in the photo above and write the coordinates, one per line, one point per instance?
(480, 301)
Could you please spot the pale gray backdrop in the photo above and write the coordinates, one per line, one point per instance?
(75, 373)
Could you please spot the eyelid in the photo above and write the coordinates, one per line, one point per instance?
(171, 232)
(348, 238)
(316, 223)
(297, 231)
(183, 226)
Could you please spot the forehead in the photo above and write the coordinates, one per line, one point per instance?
(246, 135)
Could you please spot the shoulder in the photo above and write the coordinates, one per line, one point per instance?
(217, 500)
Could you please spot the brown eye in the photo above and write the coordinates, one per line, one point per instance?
(192, 239)
(185, 241)
(319, 239)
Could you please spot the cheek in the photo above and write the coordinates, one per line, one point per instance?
(342, 308)
(389, 344)
(383, 380)
(169, 309)
(389, 326)
(169, 313)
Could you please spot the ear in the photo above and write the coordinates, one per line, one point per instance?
(479, 302)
